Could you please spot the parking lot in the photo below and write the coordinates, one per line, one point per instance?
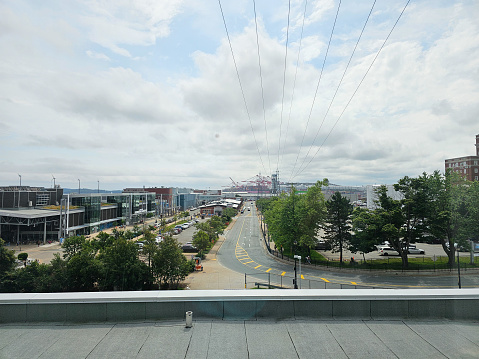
(432, 251)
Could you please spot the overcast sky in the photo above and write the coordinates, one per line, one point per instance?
(146, 93)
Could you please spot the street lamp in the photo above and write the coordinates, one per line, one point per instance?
(458, 266)
(19, 175)
(295, 284)
(98, 186)
(78, 186)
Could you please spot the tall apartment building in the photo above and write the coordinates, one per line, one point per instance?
(467, 166)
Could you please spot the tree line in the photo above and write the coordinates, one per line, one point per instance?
(443, 207)
(107, 262)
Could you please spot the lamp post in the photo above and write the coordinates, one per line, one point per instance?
(78, 186)
(19, 175)
(458, 266)
(295, 280)
(98, 186)
(299, 259)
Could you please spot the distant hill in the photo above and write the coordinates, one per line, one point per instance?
(88, 190)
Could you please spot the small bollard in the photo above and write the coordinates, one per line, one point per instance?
(189, 319)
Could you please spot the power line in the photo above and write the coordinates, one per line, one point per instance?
(262, 89)
(339, 85)
(295, 76)
(357, 88)
(240, 84)
(284, 84)
(317, 86)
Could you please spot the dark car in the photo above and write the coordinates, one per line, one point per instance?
(189, 248)
(322, 245)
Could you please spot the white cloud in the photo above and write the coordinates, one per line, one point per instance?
(97, 56)
(112, 23)
(136, 118)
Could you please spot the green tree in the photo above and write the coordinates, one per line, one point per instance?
(121, 269)
(82, 271)
(22, 256)
(228, 214)
(366, 228)
(312, 212)
(103, 240)
(7, 258)
(338, 227)
(169, 264)
(453, 211)
(217, 225)
(136, 231)
(201, 240)
(72, 245)
(149, 249)
(205, 227)
(293, 220)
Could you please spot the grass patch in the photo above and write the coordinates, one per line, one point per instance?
(393, 263)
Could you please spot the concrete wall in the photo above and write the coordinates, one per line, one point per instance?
(366, 304)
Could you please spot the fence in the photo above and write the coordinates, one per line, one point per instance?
(271, 280)
(437, 264)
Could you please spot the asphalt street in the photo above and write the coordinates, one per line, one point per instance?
(244, 251)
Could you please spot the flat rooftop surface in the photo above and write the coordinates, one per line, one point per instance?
(244, 339)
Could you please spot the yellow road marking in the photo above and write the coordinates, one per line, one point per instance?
(257, 266)
(282, 274)
(327, 281)
(268, 270)
(354, 283)
(302, 276)
(247, 262)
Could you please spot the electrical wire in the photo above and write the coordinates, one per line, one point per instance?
(241, 86)
(294, 81)
(339, 85)
(316, 92)
(357, 88)
(261, 80)
(284, 84)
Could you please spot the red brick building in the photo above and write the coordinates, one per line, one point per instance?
(467, 166)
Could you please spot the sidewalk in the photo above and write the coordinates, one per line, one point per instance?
(214, 275)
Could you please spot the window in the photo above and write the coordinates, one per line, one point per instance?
(43, 199)
(475, 170)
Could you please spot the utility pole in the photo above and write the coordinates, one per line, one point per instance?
(78, 186)
(19, 175)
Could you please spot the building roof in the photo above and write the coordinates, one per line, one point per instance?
(29, 213)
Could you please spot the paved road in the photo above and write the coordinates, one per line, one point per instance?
(243, 251)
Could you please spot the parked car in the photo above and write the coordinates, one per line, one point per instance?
(189, 247)
(387, 251)
(158, 239)
(177, 230)
(185, 226)
(140, 245)
(322, 245)
(414, 250)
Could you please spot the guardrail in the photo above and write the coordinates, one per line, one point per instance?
(286, 282)
(456, 304)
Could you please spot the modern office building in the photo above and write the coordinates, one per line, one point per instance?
(166, 199)
(467, 166)
(36, 214)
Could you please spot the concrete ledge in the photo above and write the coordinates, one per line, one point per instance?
(377, 304)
